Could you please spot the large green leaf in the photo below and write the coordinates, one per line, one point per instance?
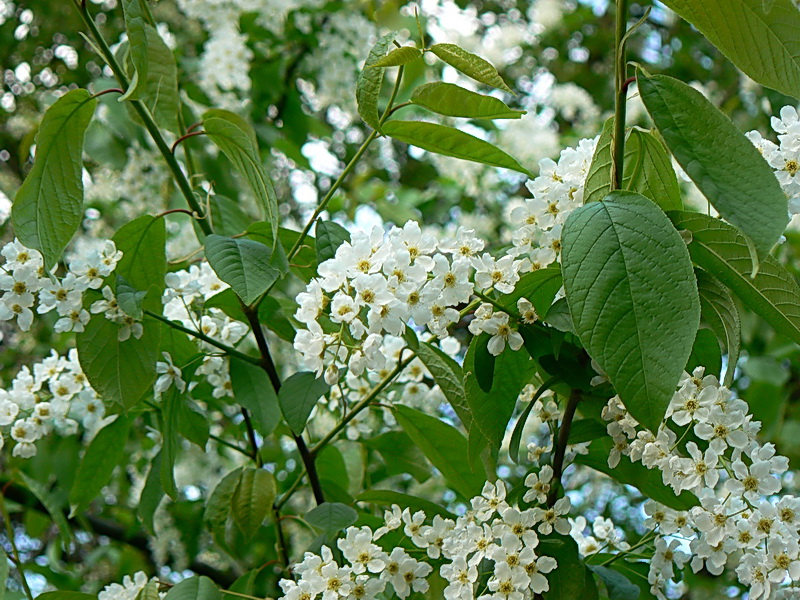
(253, 390)
(397, 57)
(723, 163)
(633, 298)
(648, 170)
(719, 311)
(722, 250)
(245, 265)
(598, 180)
(647, 481)
(105, 452)
(492, 408)
(368, 86)
(332, 516)
(761, 38)
(120, 371)
(454, 101)
(237, 140)
(48, 207)
(252, 499)
(445, 447)
(194, 588)
(571, 579)
(218, 506)
(155, 80)
(298, 397)
(449, 141)
(449, 376)
(143, 246)
(469, 64)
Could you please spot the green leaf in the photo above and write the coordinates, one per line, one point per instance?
(235, 137)
(538, 287)
(48, 207)
(298, 397)
(448, 141)
(53, 507)
(648, 171)
(454, 101)
(59, 595)
(400, 455)
(469, 64)
(331, 516)
(170, 419)
(449, 376)
(155, 81)
(194, 588)
(129, 298)
(705, 353)
(368, 86)
(571, 579)
(722, 250)
(633, 298)
(444, 446)
(148, 592)
(253, 390)
(227, 217)
(245, 265)
(218, 506)
(4, 577)
(718, 309)
(647, 481)
(413, 503)
(193, 422)
(304, 264)
(151, 496)
(397, 57)
(761, 37)
(104, 453)
(492, 408)
(598, 180)
(618, 586)
(727, 168)
(120, 372)
(252, 499)
(144, 259)
(483, 363)
(330, 236)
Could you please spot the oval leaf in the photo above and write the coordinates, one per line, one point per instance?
(243, 264)
(397, 57)
(330, 236)
(194, 588)
(368, 86)
(454, 101)
(48, 207)
(469, 64)
(633, 298)
(298, 397)
(332, 516)
(253, 390)
(450, 142)
(252, 499)
(648, 171)
(725, 165)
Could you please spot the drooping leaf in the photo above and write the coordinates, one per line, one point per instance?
(329, 236)
(120, 372)
(454, 101)
(449, 376)
(245, 265)
(332, 516)
(647, 481)
(448, 141)
(252, 499)
(648, 170)
(104, 453)
(253, 390)
(235, 137)
(721, 250)
(194, 588)
(368, 86)
(761, 37)
(298, 397)
(48, 207)
(469, 64)
(718, 309)
(725, 165)
(397, 57)
(598, 180)
(633, 298)
(445, 447)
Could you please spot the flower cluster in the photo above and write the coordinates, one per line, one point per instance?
(24, 280)
(557, 191)
(784, 156)
(739, 520)
(54, 395)
(504, 536)
(130, 589)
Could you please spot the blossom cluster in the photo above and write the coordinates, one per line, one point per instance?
(24, 281)
(784, 156)
(53, 395)
(707, 446)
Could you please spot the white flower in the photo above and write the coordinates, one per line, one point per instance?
(461, 578)
(170, 375)
(501, 275)
(538, 485)
(502, 334)
(552, 518)
(491, 500)
(360, 552)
